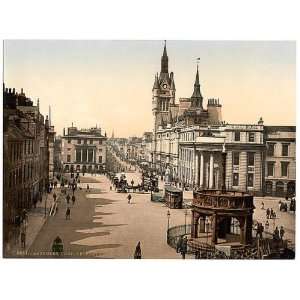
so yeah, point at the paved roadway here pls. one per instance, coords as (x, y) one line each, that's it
(104, 225)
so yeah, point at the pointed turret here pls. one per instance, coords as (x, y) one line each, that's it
(197, 97)
(164, 61)
(156, 83)
(172, 81)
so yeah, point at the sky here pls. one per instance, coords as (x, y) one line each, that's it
(109, 83)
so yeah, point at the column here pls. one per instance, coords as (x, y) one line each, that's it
(201, 169)
(93, 157)
(75, 156)
(194, 227)
(202, 224)
(214, 238)
(211, 171)
(80, 155)
(242, 230)
(196, 168)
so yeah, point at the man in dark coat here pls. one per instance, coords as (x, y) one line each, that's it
(281, 232)
(68, 214)
(68, 198)
(138, 251)
(184, 247)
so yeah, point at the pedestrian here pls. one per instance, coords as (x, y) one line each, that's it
(129, 198)
(271, 213)
(73, 199)
(179, 244)
(276, 234)
(23, 239)
(184, 247)
(262, 205)
(268, 213)
(111, 188)
(267, 225)
(54, 196)
(138, 251)
(68, 198)
(55, 184)
(68, 214)
(57, 246)
(87, 188)
(281, 232)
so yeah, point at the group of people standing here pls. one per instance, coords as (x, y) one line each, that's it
(278, 234)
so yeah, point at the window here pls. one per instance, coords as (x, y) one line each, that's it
(68, 158)
(236, 158)
(69, 141)
(251, 137)
(100, 159)
(251, 158)
(85, 142)
(90, 155)
(285, 149)
(235, 179)
(69, 149)
(100, 142)
(284, 168)
(84, 155)
(78, 141)
(270, 168)
(91, 141)
(78, 155)
(100, 150)
(237, 136)
(270, 149)
(250, 179)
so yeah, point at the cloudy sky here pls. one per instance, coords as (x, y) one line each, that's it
(109, 83)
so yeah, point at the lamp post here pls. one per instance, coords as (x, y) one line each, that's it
(168, 216)
(206, 225)
(46, 204)
(185, 215)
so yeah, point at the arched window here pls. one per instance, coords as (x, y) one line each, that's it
(291, 188)
(279, 188)
(269, 186)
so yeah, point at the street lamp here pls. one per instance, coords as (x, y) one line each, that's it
(46, 204)
(185, 215)
(206, 225)
(168, 216)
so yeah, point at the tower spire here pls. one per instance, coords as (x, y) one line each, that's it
(197, 97)
(164, 60)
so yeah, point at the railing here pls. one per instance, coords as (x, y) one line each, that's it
(175, 233)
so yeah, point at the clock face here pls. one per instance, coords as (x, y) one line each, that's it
(164, 86)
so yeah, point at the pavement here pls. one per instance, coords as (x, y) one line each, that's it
(36, 220)
(104, 225)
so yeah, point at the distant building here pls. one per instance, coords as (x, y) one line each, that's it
(83, 150)
(57, 155)
(26, 154)
(280, 164)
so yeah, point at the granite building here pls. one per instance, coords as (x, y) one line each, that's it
(191, 143)
(83, 150)
(26, 137)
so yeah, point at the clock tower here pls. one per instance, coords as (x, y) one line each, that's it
(163, 92)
